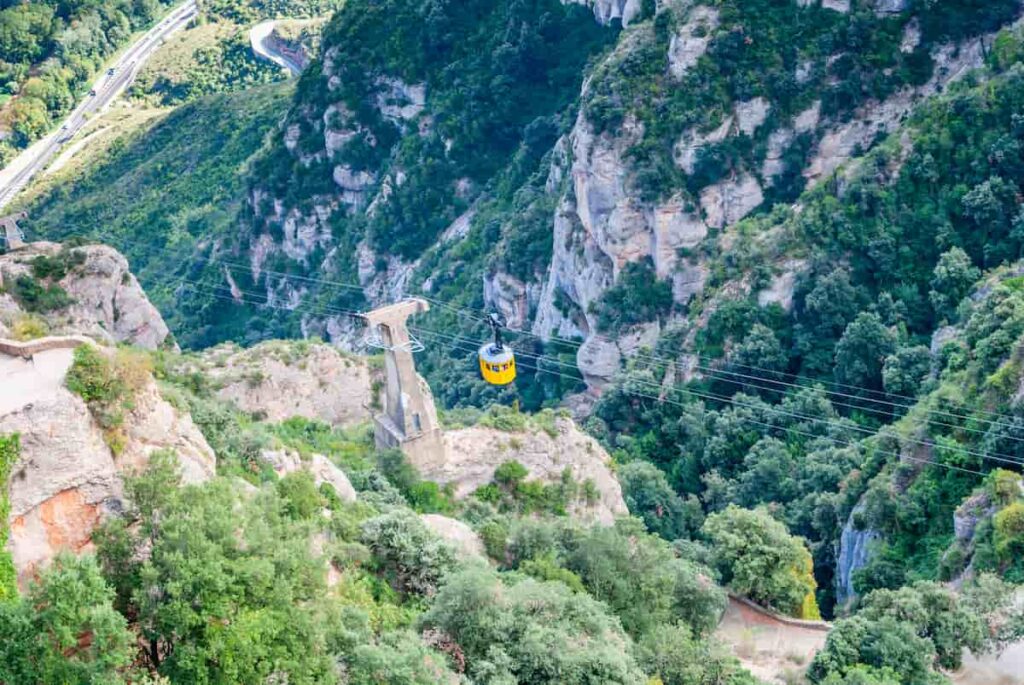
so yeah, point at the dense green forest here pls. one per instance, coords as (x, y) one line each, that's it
(48, 53)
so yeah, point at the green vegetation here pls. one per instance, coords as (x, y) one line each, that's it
(9, 452)
(179, 185)
(487, 92)
(759, 559)
(637, 297)
(108, 384)
(511, 491)
(65, 630)
(48, 52)
(210, 57)
(902, 636)
(36, 297)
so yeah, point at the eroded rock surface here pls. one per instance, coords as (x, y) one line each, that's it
(280, 379)
(108, 304)
(474, 453)
(456, 533)
(323, 469)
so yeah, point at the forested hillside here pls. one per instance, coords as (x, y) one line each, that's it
(769, 252)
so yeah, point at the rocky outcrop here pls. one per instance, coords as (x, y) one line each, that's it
(854, 554)
(279, 379)
(63, 483)
(783, 285)
(108, 304)
(67, 479)
(691, 39)
(152, 425)
(877, 118)
(474, 453)
(726, 202)
(323, 469)
(459, 535)
(607, 10)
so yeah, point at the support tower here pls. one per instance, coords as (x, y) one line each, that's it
(408, 420)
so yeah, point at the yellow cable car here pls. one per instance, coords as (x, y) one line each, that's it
(497, 363)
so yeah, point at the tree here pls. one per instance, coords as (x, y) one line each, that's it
(649, 496)
(398, 658)
(862, 351)
(759, 354)
(225, 593)
(675, 657)
(935, 613)
(66, 630)
(758, 558)
(767, 476)
(855, 643)
(530, 632)
(952, 279)
(1009, 531)
(905, 370)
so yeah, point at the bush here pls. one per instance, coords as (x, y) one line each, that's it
(411, 558)
(108, 386)
(35, 297)
(638, 297)
(29, 327)
(531, 632)
(299, 493)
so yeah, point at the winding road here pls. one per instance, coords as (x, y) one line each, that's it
(105, 89)
(263, 46)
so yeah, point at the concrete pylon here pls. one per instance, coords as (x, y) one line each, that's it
(409, 418)
(13, 239)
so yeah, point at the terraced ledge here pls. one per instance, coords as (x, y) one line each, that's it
(26, 350)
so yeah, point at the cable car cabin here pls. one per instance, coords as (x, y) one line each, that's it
(497, 364)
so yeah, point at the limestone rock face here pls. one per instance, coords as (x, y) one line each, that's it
(854, 554)
(456, 533)
(726, 202)
(691, 40)
(783, 285)
(474, 453)
(280, 379)
(67, 479)
(108, 305)
(751, 114)
(62, 482)
(323, 469)
(607, 10)
(876, 118)
(154, 424)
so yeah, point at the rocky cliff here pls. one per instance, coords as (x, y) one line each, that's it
(619, 185)
(101, 297)
(280, 379)
(68, 476)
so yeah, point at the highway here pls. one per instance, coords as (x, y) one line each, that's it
(107, 87)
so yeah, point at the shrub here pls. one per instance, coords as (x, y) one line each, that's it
(9, 452)
(411, 558)
(29, 327)
(33, 296)
(1009, 531)
(638, 297)
(108, 386)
